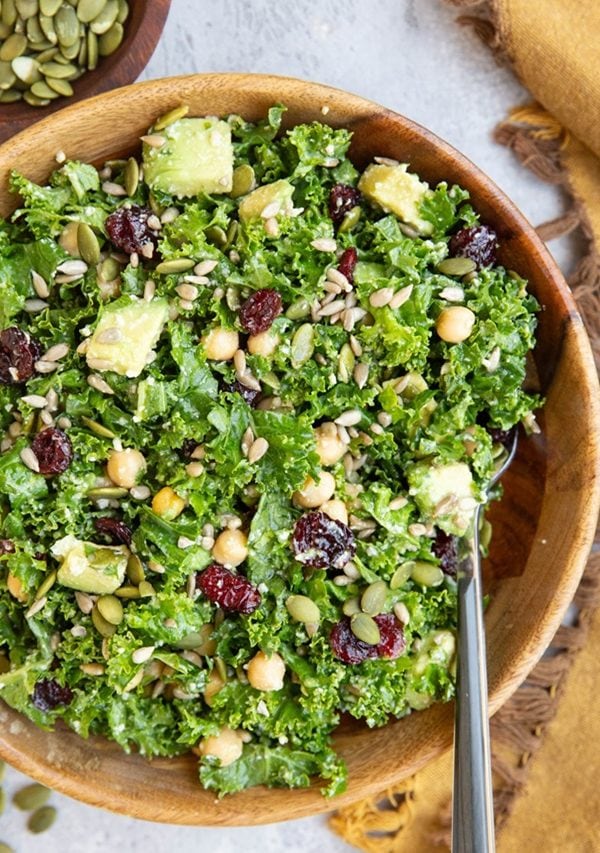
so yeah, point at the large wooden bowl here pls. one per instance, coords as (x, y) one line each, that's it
(143, 29)
(545, 523)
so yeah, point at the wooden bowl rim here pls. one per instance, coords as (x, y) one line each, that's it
(116, 70)
(248, 808)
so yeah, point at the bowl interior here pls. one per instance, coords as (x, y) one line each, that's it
(544, 525)
(142, 32)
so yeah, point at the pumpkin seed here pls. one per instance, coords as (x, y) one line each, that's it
(9, 13)
(5, 848)
(346, 362)
(34, 101)
(373, 598)
(50, 7)
(128, 592)
(303, 345)
(41, 820)
(426, 574)
(46, 586)
(27, 69)
(350, 220)
(232, 233)
(485, 534)
(110, 492)
(123, 11)
(146, 589)
(216, 235)
(70, 52)
(104, 628)
(14, 46)
(87, 10)
(298, 310)
(135, 570)
(174, 266)
(106, 18)
(243, 181)
(63, 87)
(456, 266)
(35, 34)
(110, 608)
(302, 609)
(351, 606)
(401, 575)
(58, 70)
(87, 244)
(171, 117)
(47, 55)
(27, 8)
(111, 40)
(96, 428)
(10, 96)
(131, 176)
(109, 269)
(67, 26)
(365, 628)
(42, 90)
(92, 47)
(7, 76)
(31, 797)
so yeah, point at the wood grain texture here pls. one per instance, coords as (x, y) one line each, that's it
(552, 495)
(142, 32)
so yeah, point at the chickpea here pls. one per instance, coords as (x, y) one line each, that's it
(226, 746)
(230, 548)
(266, 673)
(15, 587)
(213, 685)
(167, 503)
(336, 509)
(220, 344)
(455, 324)
(265, 343)
(330, 446)
(125, 467)
(315, 494)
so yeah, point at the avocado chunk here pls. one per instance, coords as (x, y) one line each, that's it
(197, 157)
(96, 569)
(396, 191)
(126, 335)
(445, 494)
(255, 203)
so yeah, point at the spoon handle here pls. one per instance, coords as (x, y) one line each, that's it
(473, 806)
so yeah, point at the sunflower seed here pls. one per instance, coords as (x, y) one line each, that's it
(34, 306)
(187, 291)
(155, 141)
(381, 297)
(110, 188)
(398, 503)
(361, 374)
(331, 309)
(324, 244)
(29, 459)
(257, 449)
(140, 493)
(36, 607)
(452, 294)
(92, 668)
(205, 267)
(56, 352)
(249, 381)
(492, 362)
(98, 384)
(36, 401)
(134, 682)
(77, 268)
(349, 418)
(84, 602)
(401, 297)
(143, 654)
(401, 612)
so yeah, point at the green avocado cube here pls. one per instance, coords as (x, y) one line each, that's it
(196, 157)
(445, 494)
(277, 196)
(126, 335)
(95, 569)
(396, 191)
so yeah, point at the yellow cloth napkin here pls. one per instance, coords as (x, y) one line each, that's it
(545, 738)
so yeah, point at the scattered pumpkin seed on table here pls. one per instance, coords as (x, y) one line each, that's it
(46, 44)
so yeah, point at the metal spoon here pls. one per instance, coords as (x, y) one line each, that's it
(473, 804)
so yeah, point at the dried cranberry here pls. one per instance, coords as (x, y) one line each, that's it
(128, 228)
(347, 263)
(348, 648)
(478, 243)
(6, 547)
(117, 531)
(187, 448)
(391, 643)
(48, 694)
(319, 541)
(502, 436)
(228, 590)
(445, 548)
(18, 354)
(53, 450)
(259, 310)
(249, 395)
(342, 199)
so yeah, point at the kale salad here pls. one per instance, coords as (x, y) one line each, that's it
(250, 398)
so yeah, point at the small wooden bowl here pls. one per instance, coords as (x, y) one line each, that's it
(544, 526)
(142, 32)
